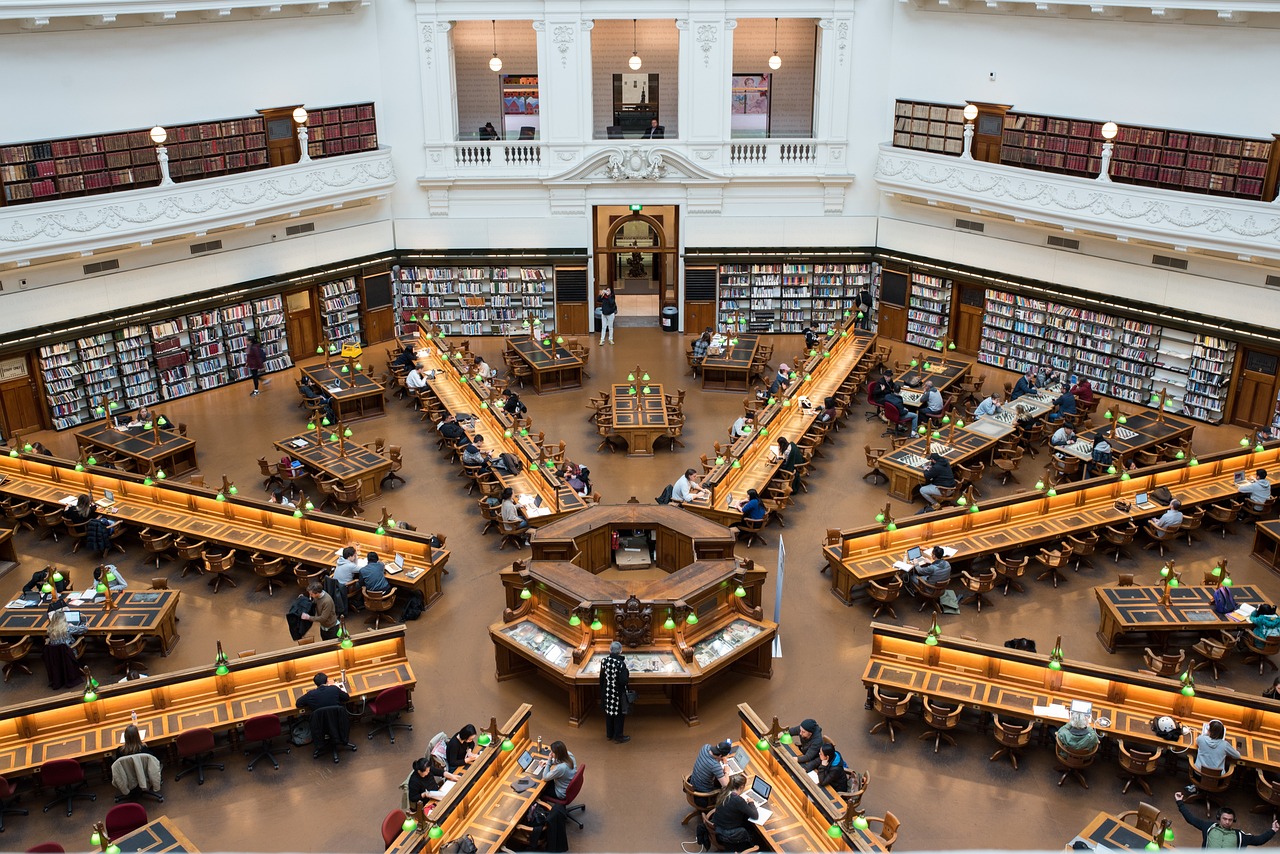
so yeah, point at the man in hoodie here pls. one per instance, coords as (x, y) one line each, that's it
(1223, 833)
(937, 477)
(1212, 749)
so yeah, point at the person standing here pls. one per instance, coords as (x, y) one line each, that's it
(608, 310)
(613, 694)
(326, 614)
(255, 361)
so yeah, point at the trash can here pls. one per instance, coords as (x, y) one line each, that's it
(670, 318)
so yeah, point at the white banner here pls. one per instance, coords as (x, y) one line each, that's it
(777, 597)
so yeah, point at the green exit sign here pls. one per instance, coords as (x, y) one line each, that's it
(637, 208)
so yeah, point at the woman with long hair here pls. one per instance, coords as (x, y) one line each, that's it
(560, 768)
(459, 752)
(59, 630)
(132, 742)
(733, 815)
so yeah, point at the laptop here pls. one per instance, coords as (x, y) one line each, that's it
(759, 795)
(531, 765)
(914, 554)
(738, 761)
(399, 565)
(1141, 501)
(1239, 478)
(108, 499)
(73, 617)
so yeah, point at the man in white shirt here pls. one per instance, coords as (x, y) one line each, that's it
(737, 431)
(1258, 490)
(688, 488)
(1172, 517)
(1062, 437)
(990, 406)
(415, 380)
(347, 567)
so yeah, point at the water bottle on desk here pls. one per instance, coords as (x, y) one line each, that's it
(133, 717)
(539, 745)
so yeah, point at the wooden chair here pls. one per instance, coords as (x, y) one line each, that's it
(1117, 538)
(1208, 782)
(379, 606)
(156, 544)
(1053, 562)
(873, 456)
(858, 783)
(19, 514)
(1010, 571)
(126, 651)
(347, 497)
(76, 531)
(397, 463)
(1166, 664)
(777, 498)
(1146, 818)
(978, 586)
(12, 654)
(270, 473)
(1159, 536)
(1221, 516)
(941, 719)
(969, 476)
(1213, 652)
(1268, 791)
(1191, 523)
(751, 528)
(1137, 763)
(1082, 545)
(1007, 462)
(929, 594)
(1260, 651)
(513, 533)
(1072, 762)
(50, 519)
(269, 570)
(218, 566)
(888, 828)
(1259, 512)
(699, 802)
(191, 551)
(884, 595)
(1012, 736)
(892, 709)
(305, 575)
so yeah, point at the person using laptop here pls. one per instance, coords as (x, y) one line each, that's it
(510, 513)
(559, 771)
(688, 488)
(710, 769)
(1213, 748)
(373, 575)
(808, 736)
(733, 815)
(82, 511)
(790, 454)
(936, 572)
(1258, 490)
(324, 695)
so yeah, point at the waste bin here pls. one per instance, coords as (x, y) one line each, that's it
(670, 318)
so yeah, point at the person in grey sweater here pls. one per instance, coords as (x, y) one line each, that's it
(1212, 749)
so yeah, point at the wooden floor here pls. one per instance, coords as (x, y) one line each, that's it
(956, 799)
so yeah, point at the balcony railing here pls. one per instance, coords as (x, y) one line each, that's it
(30, 232)
(1237, 226)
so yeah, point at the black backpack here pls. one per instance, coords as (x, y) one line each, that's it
(414, 607)
(667, 492)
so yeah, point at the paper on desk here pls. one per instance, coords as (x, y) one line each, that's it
(1053, 710)
(813, 775)
(442, 791)
(299, 443)
(21, 603)
(68, 501)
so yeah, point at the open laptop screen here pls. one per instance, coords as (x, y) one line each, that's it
(761, 788)
(1141, 499)
(913, 553)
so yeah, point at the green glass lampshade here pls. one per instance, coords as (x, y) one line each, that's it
(1054, 664)
(937, 435)
(762, 745)
(645, 376)
(95, 839)
(413, 318)
(147, 481)
(785, 738)
(1244, 443)
(1124, 475)
(1226, 582)
(46, 588)
(772, 401)
(631, 377)
(928, 367)
(297, 513)
(345, 369)
(28, 448)
(575, 620)
(1173, 582)
(930, 640)
(525, 594)
(892, 526)
(951, 346)
(844, 333)
(57, 577)
(1179, 456)
(737, 464)
(559, 339)
(222, 670)
(409, 825)
(309, 506)
(860, 315)
(808, 377)
(880, 518)
(1257, 449)
(113, 849)
(692, 619)
(325, 422)
(347, 433)
(1193, 462)
(507, 433)
(645, 389)
(111, 576)
(946, 419)
(1124, 419)
(813, 351)
(739, 591)
(320, 350)
(333, 437)
(959, 423)
(830, 333)
(546, 342)
(973, 508)
(379, 530)
(764, 431)
(484, 739)
(311, 425)
(526, 324)
(147, 426)
(914, 363)
(826, 355)
(13, 452)
(1107, 415)
(669, 624)
(1164, 572)
(90, 696)
(101, 588)
(631, 390)
(484, 404)
(596, 625)
(359, 367)
(1168, 834)
(524, 431)
(98, 410)
(219, 496)
(160, 475)
(834, 831)
(435, 832)
(507, 745)
(79, 467)
(921, 430)
(1152, 846)
(1188, 691)
(1052, 492)
(962, 501)
(860, 822)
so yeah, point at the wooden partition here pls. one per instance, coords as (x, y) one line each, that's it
(585, 539)
(67, 727)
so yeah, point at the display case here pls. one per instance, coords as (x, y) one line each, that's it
(723, 642)
(637, 663)
(540, 642)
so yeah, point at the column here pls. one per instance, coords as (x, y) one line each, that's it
(835, 78)
(564, 84)
(439, 102)
(706, 66)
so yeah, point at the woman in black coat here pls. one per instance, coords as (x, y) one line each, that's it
(613, 694)
(733, 816)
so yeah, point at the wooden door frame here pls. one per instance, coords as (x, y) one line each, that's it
(1237, 375)
(986, 110)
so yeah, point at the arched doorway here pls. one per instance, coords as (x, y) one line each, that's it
(636, 255)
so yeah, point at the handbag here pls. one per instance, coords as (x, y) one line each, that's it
(1161, 495)
(461, 845)
(631, 697)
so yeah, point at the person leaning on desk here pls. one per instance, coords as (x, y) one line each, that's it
(808, 737)
(1076, 734)
(733, 815)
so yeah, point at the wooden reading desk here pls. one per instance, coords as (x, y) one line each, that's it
(244, 524)
(945, 372)
(1014, 683)
(354, 395)
(160, 836)
(1110, 832)
(149, 612)
(1124, 611)
(730, 369)
(166, 450)
(554, 367)
(904, 467)
(1266, 544)
(639, 418)
(344, 459)
(64, 727)
(482, 803)
(1031, 518)
(1140, 432)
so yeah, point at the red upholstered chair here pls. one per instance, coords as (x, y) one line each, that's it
(8, 797)
(67, 779)
(386, 709)
(263, 729)
(391, 827)
(898, 424)
(125, 818)
(195, 746)
(571, 795)
(47, 848)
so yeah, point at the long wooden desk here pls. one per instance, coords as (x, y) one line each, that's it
(174, 453)
(1010, 682)
(239, 523)
(159, 836)
(482, 803)
(151, 612)
(1110, 832)
(904, 467)
(944, 372)
(730, 369)
(344, 459)
(554, 367)
(354, 395)
(63, 727)
(1140, 432)
(1266, 544)
(849, 349)
(458, 396)
(803, 811)
(640, 418)
(1029, 519)
(1137, 610)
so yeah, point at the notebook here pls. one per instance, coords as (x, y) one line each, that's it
(1141, 501)
(759, 795)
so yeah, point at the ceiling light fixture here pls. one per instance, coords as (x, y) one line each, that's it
(495, 64)
(775, 61)
(634, 62)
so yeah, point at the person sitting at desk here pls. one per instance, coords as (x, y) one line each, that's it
(1076, 734)
(428, 776)
(512, 404)
(790, 454)
(990, 406)
(1026, 385)
(347, 567)
(144, 415)
(710, 769)
(406, 358)
(1062, 437)
(373, 575)
(931, 403)
(1172, 517)
(753, 508)
(688, 488)
(560, 769)
(1100, 458)
(782, 380)
(882, 387)
(831, 769)
(1046, 377)
(82, 511)
(451, 429)
(108, 574)
(135, 769)
(1213, 748)
(1258, 490)
(278, 497)
(938, 476)
(40, 576)
(1066, 405)
(39, 448)
(459, 753)
(935, 573)
(808, 736)
(416, 379)
(738, 429)
(98, 532)
(511, 511)
(1082, 390)
(700, 346)
(1222, 833)
(473, 456)
(578, 477)
(1266, 624)
(733, 815)
(324, 695)
(829, 410)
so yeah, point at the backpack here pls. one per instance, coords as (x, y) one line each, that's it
(702, 836)
(461, 845)
(1023, 644)
(414, 607)
(1224, 601)
(300, 732)
(667, 492)
(1167, 728)
(438, 746)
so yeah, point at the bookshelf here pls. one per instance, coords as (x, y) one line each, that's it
(341, 130)
(784, 298)
(237, 326)
(1209, 378)
(1173, 366)
(172, 361)
(929, 127)
(766, 297)
(1012, 331)
(340, 310)
(1135, 361)
(61, 375)
(207, 348)
(475, 300)
(125, 160)
(1081, 342)
(268, 322)
(733, 306)
(133, 358)
(835, 291)
(928, 310)
(796, 307)
(1068, 146)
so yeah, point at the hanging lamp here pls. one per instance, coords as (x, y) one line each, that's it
(495, 64)
(775, 61)
(634, 62)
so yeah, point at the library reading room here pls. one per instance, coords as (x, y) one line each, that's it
(815, 417)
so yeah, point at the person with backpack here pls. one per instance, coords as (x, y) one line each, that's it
(1222, 833)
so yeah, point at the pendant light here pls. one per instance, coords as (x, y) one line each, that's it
(634, 62)
(775, 61)
(495, 64)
